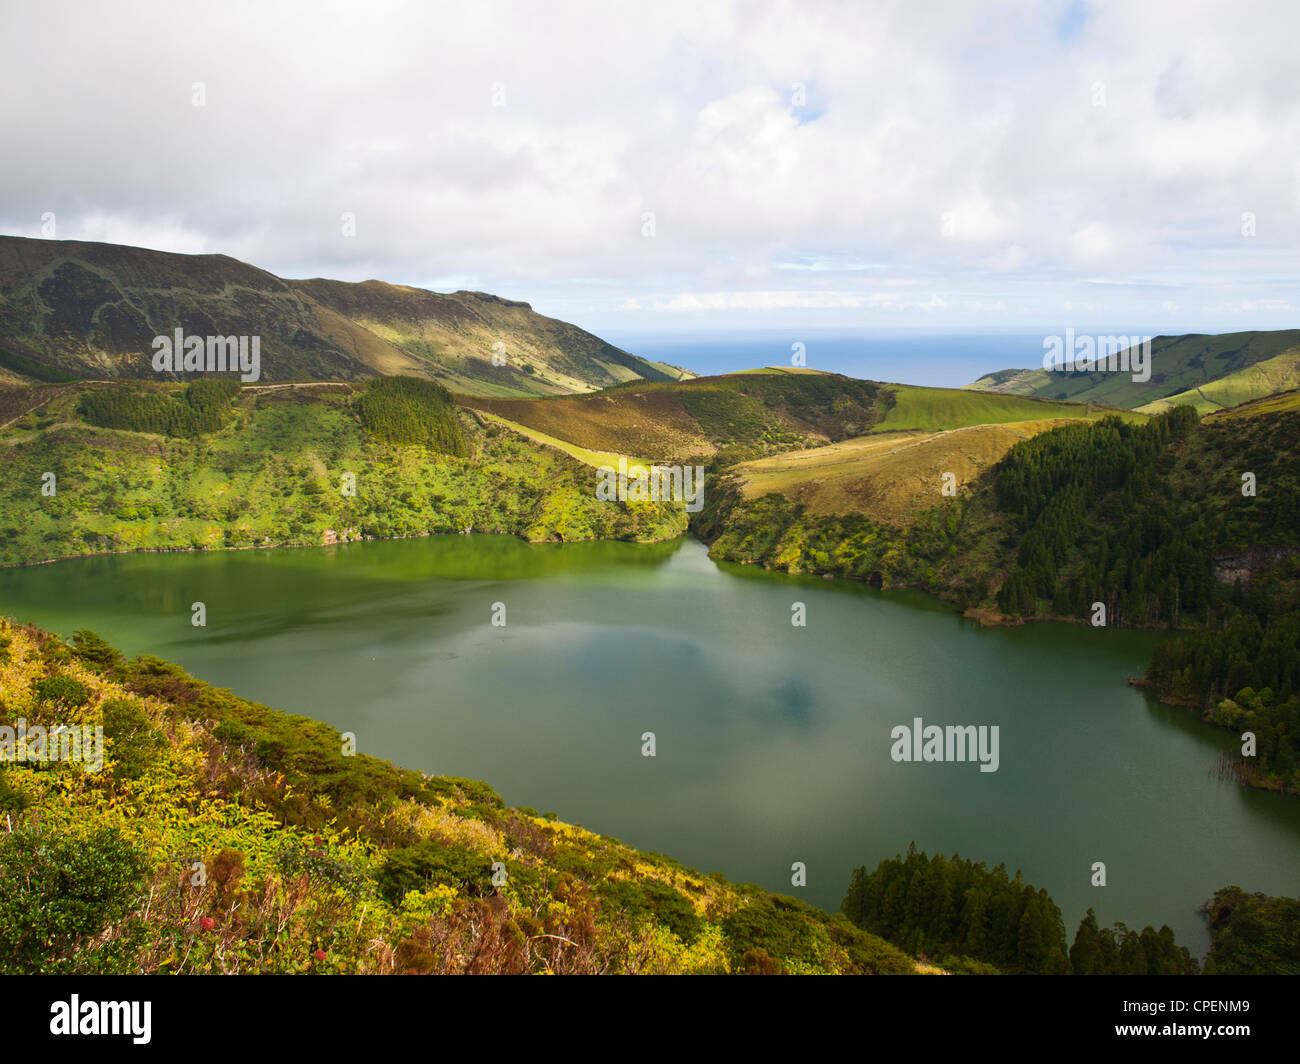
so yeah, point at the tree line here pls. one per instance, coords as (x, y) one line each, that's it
(201, 408)
(972, 919)
(411, 411)
(1100, 522)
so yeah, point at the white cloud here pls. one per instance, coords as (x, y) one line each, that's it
(913, 112)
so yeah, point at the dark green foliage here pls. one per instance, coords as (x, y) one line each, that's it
(980, 921)
(201, 408)
(429, 863)
(91, 649)
(774, 926)
(638, 899)
(409, 410)
(11, 799)
(1244, 675)
(1134, 516)
(1099, 523)
(133, 739)
(58, 894)
(295, 859)
(1253, 934)
(62, 691)
(939, 907)
(769, 923)
(1119, 951)
(29, 367)
(868, 954)
(967, 966)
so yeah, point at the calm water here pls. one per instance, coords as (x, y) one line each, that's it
(936, 357)
(773, 741)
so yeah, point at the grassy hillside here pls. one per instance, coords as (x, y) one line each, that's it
(1273, 375)
(588, 457)
(965, 548)
(453, 336)
(889, 476)
(272, 473)
(938, 409)
(827, 442)
(225, 837)
(731, 416)
(1272, 404)
(1179, 364)
(89, 310)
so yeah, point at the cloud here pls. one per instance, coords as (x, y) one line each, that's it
(959, 149)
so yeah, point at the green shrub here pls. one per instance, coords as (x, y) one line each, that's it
(652, 899)
(134, 739)
(63, 691)
(201, 408)
(59, 894)
(429, 863)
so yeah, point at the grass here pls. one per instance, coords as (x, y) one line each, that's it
(746, 414)
(1272, 404)
(937, 409)
(1273, 375)
(585, 455)
(889, 476)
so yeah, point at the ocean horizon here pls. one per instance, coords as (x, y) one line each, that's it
(943, 359)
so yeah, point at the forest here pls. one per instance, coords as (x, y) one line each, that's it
(974, 920)
(411, 411)
(202, 407)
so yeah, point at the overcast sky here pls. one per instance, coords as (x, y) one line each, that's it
(817, 165)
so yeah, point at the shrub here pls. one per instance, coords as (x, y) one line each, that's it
(62, 690)
(429, 863)
(58, 896)
(133, 737)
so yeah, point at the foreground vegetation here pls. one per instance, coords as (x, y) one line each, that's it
(220, 836)
(224, 837)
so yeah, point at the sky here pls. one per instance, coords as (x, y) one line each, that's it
(675, 169)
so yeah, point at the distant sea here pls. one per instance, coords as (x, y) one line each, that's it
(946, 360)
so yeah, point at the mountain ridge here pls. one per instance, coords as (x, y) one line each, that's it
(84, 309)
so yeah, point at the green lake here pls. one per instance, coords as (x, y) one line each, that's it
(772, 741)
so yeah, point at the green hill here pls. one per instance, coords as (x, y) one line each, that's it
(940, 409)
(1179, 364)
(729, 416)
(1278, 374)
(208, 464)
(75, 309)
